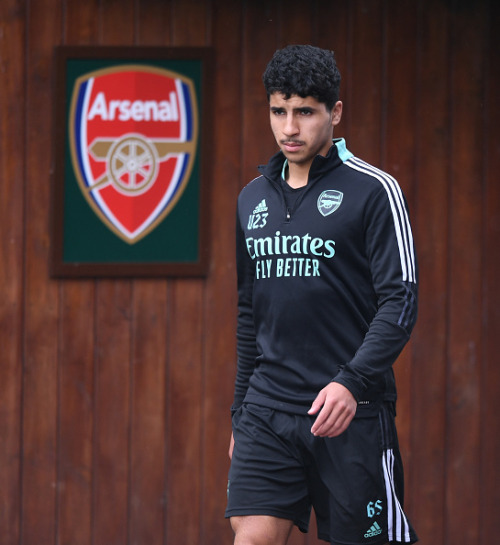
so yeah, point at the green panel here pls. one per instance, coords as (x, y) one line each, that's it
(87, 239)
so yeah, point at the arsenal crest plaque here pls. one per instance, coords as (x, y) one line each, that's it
(131, 170)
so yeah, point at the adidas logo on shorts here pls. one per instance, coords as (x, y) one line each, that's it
(375, 530)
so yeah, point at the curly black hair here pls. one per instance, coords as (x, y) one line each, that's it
(303, 70)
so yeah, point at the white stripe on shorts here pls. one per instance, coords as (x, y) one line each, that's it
(397, 523)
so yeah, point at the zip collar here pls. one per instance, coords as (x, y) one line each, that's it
(337, 154)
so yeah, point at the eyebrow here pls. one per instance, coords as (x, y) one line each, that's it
(298, 109)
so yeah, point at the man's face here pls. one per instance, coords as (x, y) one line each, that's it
(303, 127)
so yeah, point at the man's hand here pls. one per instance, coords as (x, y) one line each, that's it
(231, 447)
(338, 407)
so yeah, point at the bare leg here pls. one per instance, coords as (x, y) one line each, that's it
(261, 530)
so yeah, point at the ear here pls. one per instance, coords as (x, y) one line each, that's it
(337, 113)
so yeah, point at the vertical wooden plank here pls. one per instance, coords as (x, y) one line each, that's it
(12, 171)
(365, 111)
(220, 309)
(428, 432)
(76, 362)
(332, 31)
(150, 346)
(399, 160)
(148, 416)
(154, 22)
(112, 412)
(260, 30)
(185, 395)
(41, 297)
(76, 418)
(465, 313)
(295, 24)
(186, 358)
(191, 22)
(490, 438)
(113, 357)
(81, 22)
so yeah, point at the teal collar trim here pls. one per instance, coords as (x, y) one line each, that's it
(283, 170)
(343, 152)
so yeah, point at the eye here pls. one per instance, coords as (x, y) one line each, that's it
(277, 111)
(306, 111)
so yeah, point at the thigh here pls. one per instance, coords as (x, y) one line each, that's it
(350, 467)
(360, 470)
(260, 530)
(266, 476)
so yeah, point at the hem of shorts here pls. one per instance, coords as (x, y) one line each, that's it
(304, 528)
(383, 541)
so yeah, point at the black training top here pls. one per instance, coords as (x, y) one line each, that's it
(327, 288)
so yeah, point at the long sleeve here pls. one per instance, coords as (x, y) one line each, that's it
(391, 256)
(245, 334)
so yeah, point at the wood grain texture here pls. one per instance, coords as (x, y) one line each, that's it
(41, 297)
(367, 72)
(186, 358)
(76, 385)
(220, 293)
(115, 394)
(398, 159)
(12, 221)
(490, 379)
(467, 70)
(432, 164)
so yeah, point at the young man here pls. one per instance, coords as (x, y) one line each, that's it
(327, 298)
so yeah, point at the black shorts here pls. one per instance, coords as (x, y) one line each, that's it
(354, 481)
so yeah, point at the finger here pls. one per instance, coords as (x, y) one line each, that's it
(317, 425)
(317, 403)
(324, 421)
(336, 428)
(333, 422)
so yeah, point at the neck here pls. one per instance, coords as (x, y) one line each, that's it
(297, 175)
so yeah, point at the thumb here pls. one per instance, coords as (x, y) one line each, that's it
(317, 403)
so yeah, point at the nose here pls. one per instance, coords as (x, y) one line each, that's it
(291, 127)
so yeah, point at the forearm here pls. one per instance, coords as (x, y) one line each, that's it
(387, 335)
(247, 353)
(245, 333)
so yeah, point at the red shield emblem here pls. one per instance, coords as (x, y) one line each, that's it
(133, 137)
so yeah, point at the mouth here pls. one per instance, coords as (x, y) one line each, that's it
(291, 145)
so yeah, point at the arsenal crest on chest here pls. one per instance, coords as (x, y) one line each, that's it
(329, 201)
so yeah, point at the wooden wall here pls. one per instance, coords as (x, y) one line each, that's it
(115, 394)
